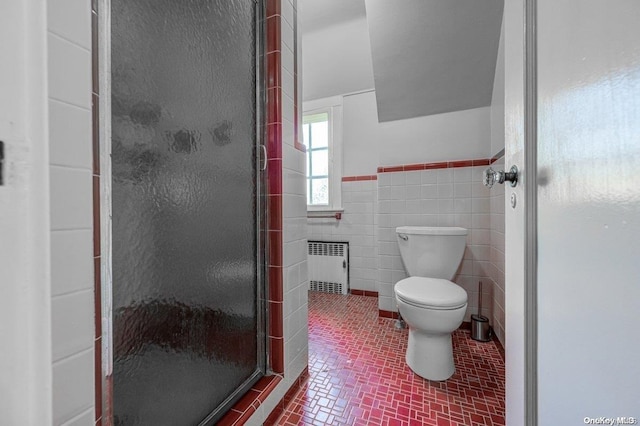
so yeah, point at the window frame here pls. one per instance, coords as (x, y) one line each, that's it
(311, 150)
(333, 108)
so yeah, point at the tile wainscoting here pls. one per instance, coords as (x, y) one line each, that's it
(447, 193)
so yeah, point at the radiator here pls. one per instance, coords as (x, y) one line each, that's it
(328, 267)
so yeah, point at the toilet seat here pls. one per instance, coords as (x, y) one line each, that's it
(431, 293)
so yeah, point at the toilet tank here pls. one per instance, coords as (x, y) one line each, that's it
(430, 251)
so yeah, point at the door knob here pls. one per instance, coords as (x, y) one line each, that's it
(490, 176)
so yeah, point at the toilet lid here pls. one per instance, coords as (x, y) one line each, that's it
(431, 292)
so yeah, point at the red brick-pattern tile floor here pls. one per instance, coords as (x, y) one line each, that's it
(358, 375)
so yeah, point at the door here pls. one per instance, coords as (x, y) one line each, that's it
(25, 274)
(187, 312)
(588, 210)
(515, 311)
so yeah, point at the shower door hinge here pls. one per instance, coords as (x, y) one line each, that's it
(263, 158)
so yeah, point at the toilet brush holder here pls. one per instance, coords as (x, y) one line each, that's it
(480, 329)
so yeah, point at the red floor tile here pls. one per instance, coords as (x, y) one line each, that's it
(358, 375)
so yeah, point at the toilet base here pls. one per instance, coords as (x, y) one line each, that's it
(430, 355)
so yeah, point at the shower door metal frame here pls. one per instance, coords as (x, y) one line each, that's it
(104, 120)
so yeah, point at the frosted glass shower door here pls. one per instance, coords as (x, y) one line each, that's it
(187, 322)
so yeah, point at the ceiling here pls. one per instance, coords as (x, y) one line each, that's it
(428, 56)
(433, 56)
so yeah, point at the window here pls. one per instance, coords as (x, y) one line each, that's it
(321, 130)
(315, 131)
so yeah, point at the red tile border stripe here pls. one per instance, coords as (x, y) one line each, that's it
(100, 411)
(482, 162)
(437, 165)
(388, 314)
(273, 35)
(359, 178)
(432, 166)
(463, 163)
(273, 8)
(277, 411)
(498, 155)
(274, 212)
(390, 169)
(273, 71)
(274, 185)
(275, 283)
(276, 354)
(368, 293)
(249, 403)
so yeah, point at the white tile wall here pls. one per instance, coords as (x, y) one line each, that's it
(69, 61)
(69, 334)
(67, 125)
(85, 418)
(70, 190)
(73, 387)
(357, 227)
(442, 197)
(70, 123)
(68, 19)
(69, 70)
(71, 268)
(294, 208)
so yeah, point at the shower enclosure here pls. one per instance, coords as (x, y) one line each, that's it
(187, 250)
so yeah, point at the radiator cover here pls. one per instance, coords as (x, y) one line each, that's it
(328, 266)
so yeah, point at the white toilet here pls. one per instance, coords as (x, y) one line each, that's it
(431, 305)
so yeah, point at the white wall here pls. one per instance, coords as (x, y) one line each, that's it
(337, 60)
(25, 289)
(360, 143)
(72, 281)
(497, 101)
(460, 135)
(52, 169)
